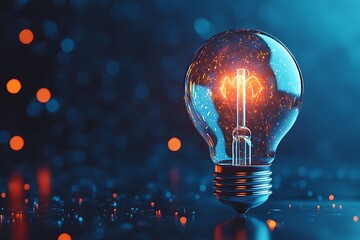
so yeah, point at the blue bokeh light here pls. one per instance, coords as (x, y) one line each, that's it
(22, 2)
(34, 108)
(52, 105)
(67, 45)
(141, 90)
(57, 161)
(4, 136)
(50, 28)
(112, 67)
(201, 26)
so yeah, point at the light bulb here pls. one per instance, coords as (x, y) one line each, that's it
(243, 92)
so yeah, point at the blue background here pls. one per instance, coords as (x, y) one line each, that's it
(116, 71)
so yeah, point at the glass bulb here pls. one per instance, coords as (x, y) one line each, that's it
(243, 92)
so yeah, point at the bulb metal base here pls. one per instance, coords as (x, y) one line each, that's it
(242, 187)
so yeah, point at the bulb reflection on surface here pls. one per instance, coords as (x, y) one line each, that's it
(44, 185)
(242, 228)
(18, 216)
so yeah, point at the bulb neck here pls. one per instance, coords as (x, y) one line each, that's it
(242, 187)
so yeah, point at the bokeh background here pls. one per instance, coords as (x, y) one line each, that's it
(115, 70)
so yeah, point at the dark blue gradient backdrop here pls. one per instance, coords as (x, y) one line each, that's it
(116, 72)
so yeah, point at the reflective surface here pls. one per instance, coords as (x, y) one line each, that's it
(137, 217)
(243, 78)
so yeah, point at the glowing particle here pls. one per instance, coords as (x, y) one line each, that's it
(13, 86)
(333, 205)
(168, 194)
(176, 213)
(271, 224)
(3, 195)
(174, 144)
(26, 200)
(158, 213)
(114, 195)
(318, 207)
(355, 218)
(289, 205)
(26, 186)
(340, 206)
(16, 143)
(183, 221)
(152, 204)
(26, 36)
(64, 236)
(331, 197)
(43, 95)
(80, 201)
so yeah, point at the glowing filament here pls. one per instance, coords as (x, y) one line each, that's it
(252, 82)
(241, 145)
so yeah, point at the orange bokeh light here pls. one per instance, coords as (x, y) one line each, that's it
(331, 197)
(114, 195)
(13, 86)
(43, 95)
(3, 195)
(44, 184)
(158, 213)
(26, 36)
(355, 218)
(15, 187)
(174, 144)
(16, 143)
(271, 224)
(183, 220)
(26, 186)
(64, 236)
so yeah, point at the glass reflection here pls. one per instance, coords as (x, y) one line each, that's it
(242, 228)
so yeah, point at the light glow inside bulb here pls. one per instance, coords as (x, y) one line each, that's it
(243, 92)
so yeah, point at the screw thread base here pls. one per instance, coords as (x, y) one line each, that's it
(242, 187)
